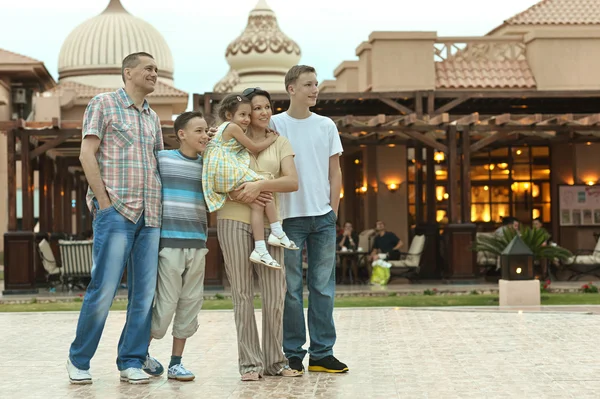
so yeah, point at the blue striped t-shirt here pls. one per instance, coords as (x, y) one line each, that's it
(184, 210)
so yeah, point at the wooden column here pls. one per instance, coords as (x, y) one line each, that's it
(430, 188)
(26, 184)
(419, 183)
(460, 259)
(49, 181)
(42, 182)
(12, 180)
(453, 215)
(67, 204)
(466, 176)
(77, 183)
(351, 205)
(370, 176)
(58, 199)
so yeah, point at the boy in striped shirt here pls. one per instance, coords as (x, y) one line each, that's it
(181, 260)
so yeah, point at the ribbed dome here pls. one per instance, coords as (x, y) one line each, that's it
(97, 46)
(261, 55)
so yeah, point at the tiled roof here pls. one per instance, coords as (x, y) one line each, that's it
(85, 91)
(559, 12)
(8, 57)
(450, 74)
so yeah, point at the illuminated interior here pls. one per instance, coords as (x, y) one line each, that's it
(507, 181)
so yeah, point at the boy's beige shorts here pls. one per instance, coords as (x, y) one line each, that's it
(179, 291)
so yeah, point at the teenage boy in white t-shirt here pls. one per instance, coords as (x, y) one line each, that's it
(309, 216)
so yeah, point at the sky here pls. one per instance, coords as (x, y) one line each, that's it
(198, 31)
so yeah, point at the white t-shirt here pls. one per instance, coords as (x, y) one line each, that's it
(314, 140)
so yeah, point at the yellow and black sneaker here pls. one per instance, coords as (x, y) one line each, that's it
(328, 364)
(296, 364)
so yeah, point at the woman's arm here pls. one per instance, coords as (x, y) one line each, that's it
(286, 183)
(233, 130)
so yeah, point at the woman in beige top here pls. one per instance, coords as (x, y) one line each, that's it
(236, 241)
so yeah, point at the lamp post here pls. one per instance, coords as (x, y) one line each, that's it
(518, 287)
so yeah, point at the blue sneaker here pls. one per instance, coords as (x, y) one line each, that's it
(153, 367)
(180, 373)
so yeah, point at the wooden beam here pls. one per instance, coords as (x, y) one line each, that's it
(409, 119)
(49, 145)
(399, 107)
(588, 120)
(467, 120)
(431, 102)
(489, 140)
(419, 104)
(439, 119)
(12, 180)
(530, 120)
(447, 107)
(428, 141)
(377, 120)
(499, 120)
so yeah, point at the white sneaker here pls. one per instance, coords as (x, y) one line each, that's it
(134, 376)
(264, 259)
(77, 376)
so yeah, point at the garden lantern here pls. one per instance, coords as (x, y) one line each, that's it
(516, 261)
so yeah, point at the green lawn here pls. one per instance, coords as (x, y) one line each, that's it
(393, 301)
(1, 274)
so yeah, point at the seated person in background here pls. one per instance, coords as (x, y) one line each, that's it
(537, 224)
(508, 222)
(385, 242)
(347, 239)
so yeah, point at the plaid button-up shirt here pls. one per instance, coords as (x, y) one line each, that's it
(129, 142)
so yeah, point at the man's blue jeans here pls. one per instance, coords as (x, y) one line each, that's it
(118, 242)
(319, 234)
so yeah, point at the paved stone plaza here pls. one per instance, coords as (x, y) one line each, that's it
(391, 352)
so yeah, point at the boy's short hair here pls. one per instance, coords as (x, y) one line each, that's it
(294, 73)
(182, 121)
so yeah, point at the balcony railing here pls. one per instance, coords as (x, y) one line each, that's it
(479, 49)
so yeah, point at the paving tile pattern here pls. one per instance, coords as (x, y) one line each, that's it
(391, 352)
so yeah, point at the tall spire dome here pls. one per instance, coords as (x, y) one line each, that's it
(261, 55)
(93, 51)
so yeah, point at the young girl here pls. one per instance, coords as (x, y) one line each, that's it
(227, 166)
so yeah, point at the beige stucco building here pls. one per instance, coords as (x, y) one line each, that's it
(438, 131)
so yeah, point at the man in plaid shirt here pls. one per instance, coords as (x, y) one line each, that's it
(121, 136)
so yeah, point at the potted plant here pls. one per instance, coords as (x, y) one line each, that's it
(536, 239)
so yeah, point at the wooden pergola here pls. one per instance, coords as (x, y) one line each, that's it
(52, 149)
(457, 123)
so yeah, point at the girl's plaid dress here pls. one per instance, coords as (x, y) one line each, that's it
(226, 167)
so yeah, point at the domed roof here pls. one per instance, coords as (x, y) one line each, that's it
(99, 45)
(261, 55)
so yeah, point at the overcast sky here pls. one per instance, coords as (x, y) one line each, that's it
(198, 31)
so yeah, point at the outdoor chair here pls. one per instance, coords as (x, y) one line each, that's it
(584, 261)
(410, 262)
(77, 261)
(49, 261)
(486, 259)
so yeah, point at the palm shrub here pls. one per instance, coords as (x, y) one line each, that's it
(533, 238)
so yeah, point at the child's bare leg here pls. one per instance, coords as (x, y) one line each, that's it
(256, 221)
(276, 228)
(258, 232)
